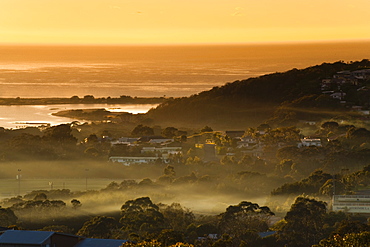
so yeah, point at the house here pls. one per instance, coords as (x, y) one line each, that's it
(266, 234)
(95, 242)
(326, 84)
(342, 74)
(327, 92)
(212, 236)
(352, 203)
(137, 160)
(263, 129)
(341, 78)
(255, 151)
(209, 152)
(360, 109)
(311, 123)
(338, 95)
(345, 77)
(160, 140)
(154, 139)
(21, 238)
(363, 74)
(124, 141)
(246, 141)
(234, 133)
(162, 150)
(307, 142)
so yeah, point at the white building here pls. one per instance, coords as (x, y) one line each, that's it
(127, 161)
(362, 74)
(124, 141)
(159, 141)
(162, 150)
(307, 142)
(247, 141)
(338, 95)
(352, 203)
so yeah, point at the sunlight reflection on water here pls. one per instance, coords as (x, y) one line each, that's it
(17, 116)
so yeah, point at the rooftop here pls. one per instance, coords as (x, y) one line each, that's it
(24, 237)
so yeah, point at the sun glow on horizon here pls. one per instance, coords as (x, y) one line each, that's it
(114, 22)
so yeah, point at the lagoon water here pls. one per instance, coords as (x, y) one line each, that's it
(19, 116)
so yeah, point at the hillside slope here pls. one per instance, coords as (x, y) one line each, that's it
(248, 102)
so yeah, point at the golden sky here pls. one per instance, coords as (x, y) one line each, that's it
(181, 21)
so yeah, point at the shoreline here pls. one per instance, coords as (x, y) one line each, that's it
(26, 115)
(88, 100)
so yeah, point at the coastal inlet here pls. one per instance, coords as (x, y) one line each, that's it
(20, 116)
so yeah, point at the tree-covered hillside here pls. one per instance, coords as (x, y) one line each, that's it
(251, 101)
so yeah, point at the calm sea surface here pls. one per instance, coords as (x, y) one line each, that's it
(49, 71)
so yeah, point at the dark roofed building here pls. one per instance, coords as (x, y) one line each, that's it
(234, 133)
(12, 238)
(148, 138)
(20, 238)
(4, 229)
(25, 238)
(94, 242)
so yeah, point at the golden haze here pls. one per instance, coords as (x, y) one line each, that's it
(181, 22)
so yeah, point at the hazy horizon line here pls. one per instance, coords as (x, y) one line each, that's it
(295, 42)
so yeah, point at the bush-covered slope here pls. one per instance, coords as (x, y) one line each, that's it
(248, 102)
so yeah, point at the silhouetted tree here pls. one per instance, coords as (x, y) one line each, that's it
(60, 133)
(141, 216)
(206, 129)
(239, 221)
(304, 222)
(170, 132)
(76, 203)
(141, 130)
(99, 227)
(7, 217)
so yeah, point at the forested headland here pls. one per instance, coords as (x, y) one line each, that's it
(283, 97)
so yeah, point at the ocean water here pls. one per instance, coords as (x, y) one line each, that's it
(145, 71)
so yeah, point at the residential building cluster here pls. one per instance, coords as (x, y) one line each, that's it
(334, 86)
(150, 149)
(161, 150)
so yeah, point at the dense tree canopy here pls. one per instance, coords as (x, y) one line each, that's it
(307, 214)
(7, 217)
(142, 130)
(141, 215)
(100, 227)
(242, 222)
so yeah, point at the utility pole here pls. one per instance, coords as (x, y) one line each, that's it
(19, 181)
(87, 170)
(333, 192)
(51, 185)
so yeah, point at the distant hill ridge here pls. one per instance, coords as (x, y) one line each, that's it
(251, 101)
